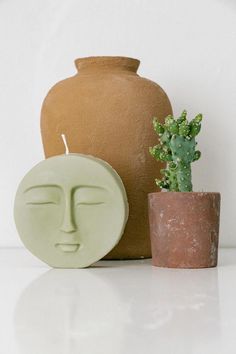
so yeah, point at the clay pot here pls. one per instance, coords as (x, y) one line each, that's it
(106, 110)
(184, 229)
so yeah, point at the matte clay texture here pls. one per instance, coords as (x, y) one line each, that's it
(71, 210)
(106, 110)
(184, 229)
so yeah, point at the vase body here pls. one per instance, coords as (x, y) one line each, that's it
(184, 229)
(106, 110)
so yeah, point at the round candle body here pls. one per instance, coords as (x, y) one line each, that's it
(71, 210)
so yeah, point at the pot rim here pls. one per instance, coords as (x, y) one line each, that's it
(181, 193)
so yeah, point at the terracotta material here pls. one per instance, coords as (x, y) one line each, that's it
(106, 110)
(184, 229)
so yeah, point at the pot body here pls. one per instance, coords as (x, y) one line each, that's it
(106, 110)
(184, 229)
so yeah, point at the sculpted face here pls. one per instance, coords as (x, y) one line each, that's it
(71, 210)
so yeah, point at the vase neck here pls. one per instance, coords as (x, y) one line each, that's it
(93, 64)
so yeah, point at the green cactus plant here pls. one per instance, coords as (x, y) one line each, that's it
(177, 148)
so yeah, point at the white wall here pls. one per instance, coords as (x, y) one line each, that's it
(187, 46)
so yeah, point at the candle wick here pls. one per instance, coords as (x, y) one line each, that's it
(65, 143)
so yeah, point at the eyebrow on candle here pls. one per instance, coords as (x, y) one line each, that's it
(42, 186)
(90, 187)
(59, 187)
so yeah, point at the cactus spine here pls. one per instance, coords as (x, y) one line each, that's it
(177, 148)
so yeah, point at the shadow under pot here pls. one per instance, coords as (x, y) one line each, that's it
(184, 229)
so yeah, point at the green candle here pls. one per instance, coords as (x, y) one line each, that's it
(71, 210)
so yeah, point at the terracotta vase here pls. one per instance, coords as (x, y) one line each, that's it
(184, 229)
(106, 110)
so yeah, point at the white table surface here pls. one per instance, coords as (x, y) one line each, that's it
(116, 307)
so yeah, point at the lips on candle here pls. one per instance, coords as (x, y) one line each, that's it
(71, 210)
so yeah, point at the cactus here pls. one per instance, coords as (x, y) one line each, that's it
(177, 148)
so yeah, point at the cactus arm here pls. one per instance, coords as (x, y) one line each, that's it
(158, 127)
(160, 153)
(197, 155)
(182, 117)
(195, 125)
(184, 129)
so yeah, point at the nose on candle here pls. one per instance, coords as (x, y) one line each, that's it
(68, 224)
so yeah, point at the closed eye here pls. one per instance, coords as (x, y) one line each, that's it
(89, 203)
(43, 202)
(90, 195)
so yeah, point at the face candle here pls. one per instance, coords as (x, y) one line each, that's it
(70, 210)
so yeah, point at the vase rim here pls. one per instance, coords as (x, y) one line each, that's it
(183, 193)
(107, 62)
